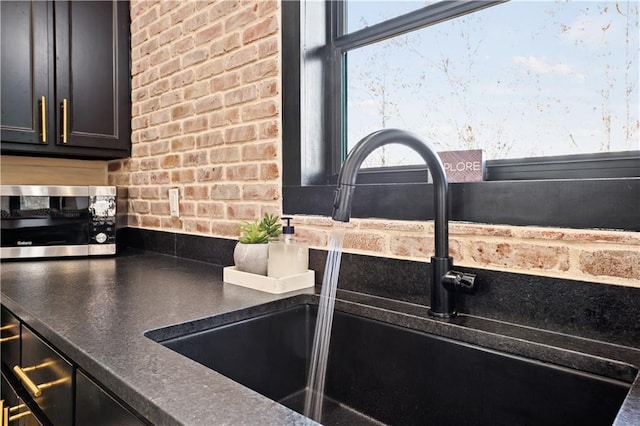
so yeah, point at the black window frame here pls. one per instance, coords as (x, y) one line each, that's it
(575, 191)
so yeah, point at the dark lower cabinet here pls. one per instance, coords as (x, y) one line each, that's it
(10, 338)
(66, 78)
(14, 408)
(9, 397)
(51, 374)
(94, 406)
(40, 386)
(16, 411)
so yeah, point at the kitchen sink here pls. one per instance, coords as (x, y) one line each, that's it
(381, 373)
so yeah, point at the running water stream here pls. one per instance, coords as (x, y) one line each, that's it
(320, 351)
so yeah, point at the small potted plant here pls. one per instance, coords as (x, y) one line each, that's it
(252, 251)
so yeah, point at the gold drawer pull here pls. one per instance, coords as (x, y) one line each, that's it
(9, 338)
(7, 417)
(26, 381)
(19, 416)
(47, 385)
(17, 408)
(36, 390)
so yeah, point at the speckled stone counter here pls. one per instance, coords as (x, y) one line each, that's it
(96, 311)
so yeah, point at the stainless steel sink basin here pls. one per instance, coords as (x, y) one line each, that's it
(383, 373)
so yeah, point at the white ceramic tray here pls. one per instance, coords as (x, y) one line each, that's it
(269, 284)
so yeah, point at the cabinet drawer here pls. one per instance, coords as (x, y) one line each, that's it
(52, 374)
(14, 411)
(95, 407)
(10, 338)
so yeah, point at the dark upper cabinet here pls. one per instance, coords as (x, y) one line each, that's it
(66, 78)
(27, 85)
(92, 74)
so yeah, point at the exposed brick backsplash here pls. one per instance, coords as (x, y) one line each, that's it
(206, 102)
(206, 114)
(611, 257)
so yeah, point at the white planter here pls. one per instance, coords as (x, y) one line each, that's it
(251, 258)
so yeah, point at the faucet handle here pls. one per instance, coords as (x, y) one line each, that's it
(459, 281)
(342, 202)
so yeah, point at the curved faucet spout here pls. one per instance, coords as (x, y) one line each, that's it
(444, 281)
(349, 173)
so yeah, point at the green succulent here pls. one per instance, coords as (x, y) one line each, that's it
(261, 231)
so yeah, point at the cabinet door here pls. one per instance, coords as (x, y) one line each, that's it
(10, 339)
(52, 374)
(95, 407)
(25, 80)
(15, 411)
(92, 74)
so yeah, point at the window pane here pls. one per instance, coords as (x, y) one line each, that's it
(522, 79)
(365, 13)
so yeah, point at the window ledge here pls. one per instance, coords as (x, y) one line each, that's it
(567, 203)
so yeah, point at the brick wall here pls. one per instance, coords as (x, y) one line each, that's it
(206, 119)
(206, 102)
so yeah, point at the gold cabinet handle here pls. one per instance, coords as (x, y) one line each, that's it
(7, 417)
(47, 385)
(9, 327)
(43, 113)
(64, 121)
(36, 390)
(26, 381)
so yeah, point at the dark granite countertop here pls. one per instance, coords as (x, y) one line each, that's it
(96, 312)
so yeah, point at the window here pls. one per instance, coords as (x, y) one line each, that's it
(547, 88)
(562, 81)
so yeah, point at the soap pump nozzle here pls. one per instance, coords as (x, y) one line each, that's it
(288, 231)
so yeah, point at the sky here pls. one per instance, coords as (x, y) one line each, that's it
(521, 79)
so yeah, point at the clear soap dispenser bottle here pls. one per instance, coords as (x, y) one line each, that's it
(287, 256)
